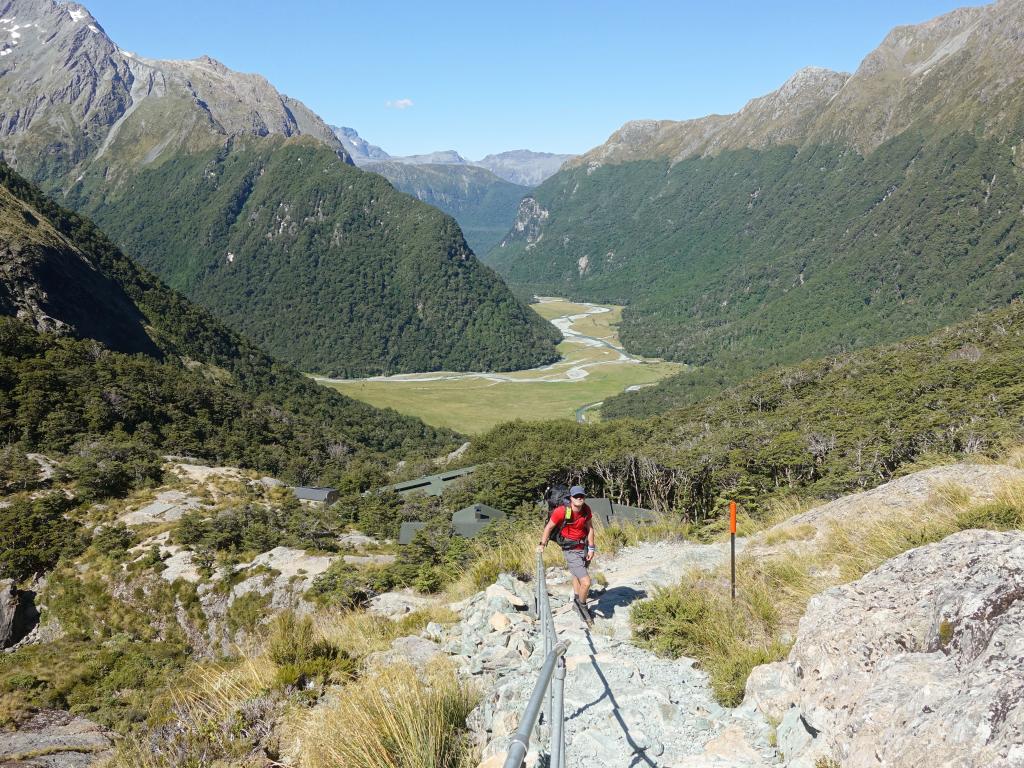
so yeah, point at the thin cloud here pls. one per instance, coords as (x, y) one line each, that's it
(398, 104)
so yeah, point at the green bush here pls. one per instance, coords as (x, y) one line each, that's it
(113, 540)
(112, 467)
(302, 656)
(258, 528)
(37, 533)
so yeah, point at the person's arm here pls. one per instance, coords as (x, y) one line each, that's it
(546, 534)
(591, 543)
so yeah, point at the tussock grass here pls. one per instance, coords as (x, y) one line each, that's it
(696, 618)
(609, 539)
(12, 710)
(303, 655)
(514, 551)
(801, 532)
(394, 717)
(217, 716)
(361, 633)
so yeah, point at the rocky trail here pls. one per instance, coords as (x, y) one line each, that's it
(626, 707)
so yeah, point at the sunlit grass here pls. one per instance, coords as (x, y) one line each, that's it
(697, 617)
(389, 718)
(473, 405)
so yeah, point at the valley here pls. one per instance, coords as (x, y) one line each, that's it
(593, 366)
(276, 446)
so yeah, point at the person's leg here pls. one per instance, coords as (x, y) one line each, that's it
(584, 590)
(578, 570)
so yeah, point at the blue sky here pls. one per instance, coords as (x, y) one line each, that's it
(483, 77)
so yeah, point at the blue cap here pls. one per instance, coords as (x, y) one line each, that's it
(577, 490)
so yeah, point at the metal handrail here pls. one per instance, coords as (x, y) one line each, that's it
(544, 692)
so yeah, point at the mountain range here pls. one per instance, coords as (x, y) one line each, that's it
(837, 212)
(483, 196)
(195, 170)
(92, 346)
(519, 166)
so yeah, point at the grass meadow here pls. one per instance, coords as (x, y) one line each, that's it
(474, 405)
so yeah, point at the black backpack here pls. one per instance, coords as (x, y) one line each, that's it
(558, 496)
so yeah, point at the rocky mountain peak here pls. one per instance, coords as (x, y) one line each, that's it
(945, 73)
(57, 62)
(359, 149)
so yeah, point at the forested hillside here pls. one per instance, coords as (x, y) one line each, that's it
(277, 237)
(821, 428)
(245, 200)
(191, 387)
(484, 205)
(835, 213)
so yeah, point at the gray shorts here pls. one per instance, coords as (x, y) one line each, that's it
(576, 560)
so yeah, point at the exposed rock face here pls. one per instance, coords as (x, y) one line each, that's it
(359, 149)
(907, 495)
(780, 117)
(57, 62)
(48, 283)
(962, 69)
(19, 615)
(55, 739)
(8, 608)
(921, 662)
(518, 166)
(529, 223)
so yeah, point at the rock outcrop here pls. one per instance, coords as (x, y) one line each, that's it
(8, 608)
(920, 662)
(56, 739)
(19, 615)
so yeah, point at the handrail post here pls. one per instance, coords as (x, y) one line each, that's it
(519, 745)
(557, 755)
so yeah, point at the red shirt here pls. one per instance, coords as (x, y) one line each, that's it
(579, 523)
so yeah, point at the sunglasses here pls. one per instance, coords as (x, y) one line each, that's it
(579, 496)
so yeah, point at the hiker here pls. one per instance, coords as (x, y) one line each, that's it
(572, 522)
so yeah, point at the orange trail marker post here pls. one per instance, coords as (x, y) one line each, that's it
(732, 543)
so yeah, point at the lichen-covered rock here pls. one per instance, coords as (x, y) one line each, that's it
(8, 607)
(921, 662)
(56, 739)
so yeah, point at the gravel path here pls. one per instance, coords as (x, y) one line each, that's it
(627, 707)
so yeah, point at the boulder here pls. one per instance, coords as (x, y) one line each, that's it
(8, 608)
(395, 605)
(920, 662)
(56, 739)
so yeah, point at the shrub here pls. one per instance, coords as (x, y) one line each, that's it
(303, 656)
(395, 717)
(113, 467)
(36, 534)
(113, 540)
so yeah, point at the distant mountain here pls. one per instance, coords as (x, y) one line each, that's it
(521, 166)
(444, 157)
(484, 205)
(196, 388)
(837, 212)
(482, 196)
(245, 200)
(359, 149)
